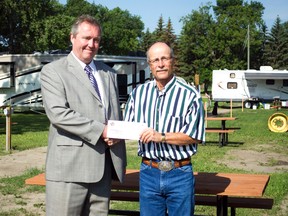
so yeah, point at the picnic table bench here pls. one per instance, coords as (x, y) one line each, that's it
(223, 131)
(204, 200)
(221, 190)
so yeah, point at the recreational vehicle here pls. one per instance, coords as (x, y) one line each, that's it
(20, 77)
(250, 86)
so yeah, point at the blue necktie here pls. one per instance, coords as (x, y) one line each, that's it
(92, 79)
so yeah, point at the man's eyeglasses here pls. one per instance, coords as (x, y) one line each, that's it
(162, 59)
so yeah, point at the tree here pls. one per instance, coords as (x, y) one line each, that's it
(164, 33)
(233, 18)
(169, 36)
(159, 31)
(276, 46)
(46, 26)
(75, 8)
(210, 42)
(171, 39)
(146, 40)
(195, 47)
(55, 32)
(121, 32)
(18, 27)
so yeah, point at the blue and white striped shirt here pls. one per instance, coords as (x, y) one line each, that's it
(177, 108)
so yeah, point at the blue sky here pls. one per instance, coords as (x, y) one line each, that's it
(151, 10)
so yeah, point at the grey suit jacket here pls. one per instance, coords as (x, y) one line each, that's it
(76, 151)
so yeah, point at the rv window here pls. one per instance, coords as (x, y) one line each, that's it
(232, 85)
(270, 82)
(285, 82)
(232, 75)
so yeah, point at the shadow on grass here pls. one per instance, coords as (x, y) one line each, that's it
(25, 122)
(230, 144)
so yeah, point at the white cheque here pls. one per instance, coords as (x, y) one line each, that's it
(125, 130)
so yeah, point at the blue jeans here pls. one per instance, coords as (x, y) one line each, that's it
(169, 192)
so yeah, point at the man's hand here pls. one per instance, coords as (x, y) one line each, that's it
(149, 135)
(110, 142)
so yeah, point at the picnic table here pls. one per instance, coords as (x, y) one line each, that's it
(225, 186)
(222, 130)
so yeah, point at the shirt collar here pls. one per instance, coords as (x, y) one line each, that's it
(168, 86)
(91, 64)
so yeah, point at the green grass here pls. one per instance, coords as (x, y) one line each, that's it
(15, 185)
(28, 130)
(31, 131)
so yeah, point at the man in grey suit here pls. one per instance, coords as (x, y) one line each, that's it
(81, 161)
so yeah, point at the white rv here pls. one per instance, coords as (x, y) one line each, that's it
(20, 77)
(250, 86)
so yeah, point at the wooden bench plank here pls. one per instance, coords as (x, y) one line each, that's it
(223, 134)
(236, 202)
(248, 202)
(125, 196)
(209, 130)
(123, 212)
(227, 128)
(205, 200)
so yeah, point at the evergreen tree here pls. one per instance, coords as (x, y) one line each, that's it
(159, 31)
(276, 46)
(196, 50)
(147, 40)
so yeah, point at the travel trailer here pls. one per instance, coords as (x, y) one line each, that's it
(250, 86)
(20, 77)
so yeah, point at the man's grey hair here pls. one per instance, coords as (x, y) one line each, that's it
(80, 20)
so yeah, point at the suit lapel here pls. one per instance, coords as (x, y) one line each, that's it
(76, 69)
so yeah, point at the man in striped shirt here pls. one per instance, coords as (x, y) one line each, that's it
(174, 114)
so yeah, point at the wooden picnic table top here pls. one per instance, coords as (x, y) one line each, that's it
(223, 184)
(231, 184)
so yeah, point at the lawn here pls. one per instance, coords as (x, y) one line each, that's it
(30, 130)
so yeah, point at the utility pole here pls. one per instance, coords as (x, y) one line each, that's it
(248, 47)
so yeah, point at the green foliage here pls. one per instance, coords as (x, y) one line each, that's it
(276, 46)
(216, 41)
(18, 27)
(163, 32)
(195, 47)
(75, 8)
(46, 26)
(55, 32)
(146, 40)
(121, 31)
(159, 31)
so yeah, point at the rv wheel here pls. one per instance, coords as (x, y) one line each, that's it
(248, 104)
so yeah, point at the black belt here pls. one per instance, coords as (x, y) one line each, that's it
(166, 165)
